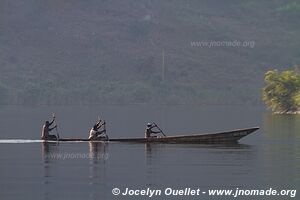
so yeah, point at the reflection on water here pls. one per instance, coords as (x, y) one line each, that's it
(281, 149)
(177, 165)
(97, 167)
(282, 126)
(197, 165)
(30, 169)
(92, 158)
(165, 164)
(47, 149)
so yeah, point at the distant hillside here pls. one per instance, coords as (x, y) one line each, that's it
(111, 52)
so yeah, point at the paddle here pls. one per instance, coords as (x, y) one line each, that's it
(159, 129)
(99, 120)
(53, 115)
(104, 126)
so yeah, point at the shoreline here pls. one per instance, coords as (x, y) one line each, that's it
(287, 113)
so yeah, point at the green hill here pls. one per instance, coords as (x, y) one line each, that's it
(101, 51)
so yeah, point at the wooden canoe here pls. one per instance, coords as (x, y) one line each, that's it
(220, 137)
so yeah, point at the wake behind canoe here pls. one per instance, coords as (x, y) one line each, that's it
(220, 137)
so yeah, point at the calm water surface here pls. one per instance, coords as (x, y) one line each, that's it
(30, 169)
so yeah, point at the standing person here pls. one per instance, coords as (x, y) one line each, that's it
(46, 130)
(96, 134)
(149, 131)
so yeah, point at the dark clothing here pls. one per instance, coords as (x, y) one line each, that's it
(97, 126)
(50, 137)
(149, 131)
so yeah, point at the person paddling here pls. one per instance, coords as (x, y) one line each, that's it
(149, 131)
(96, 133)
(46, 130)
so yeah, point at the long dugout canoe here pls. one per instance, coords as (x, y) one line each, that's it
(220, 137)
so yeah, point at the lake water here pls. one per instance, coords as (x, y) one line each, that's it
(29, 169)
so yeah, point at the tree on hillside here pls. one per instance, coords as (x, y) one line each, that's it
(282, 91)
